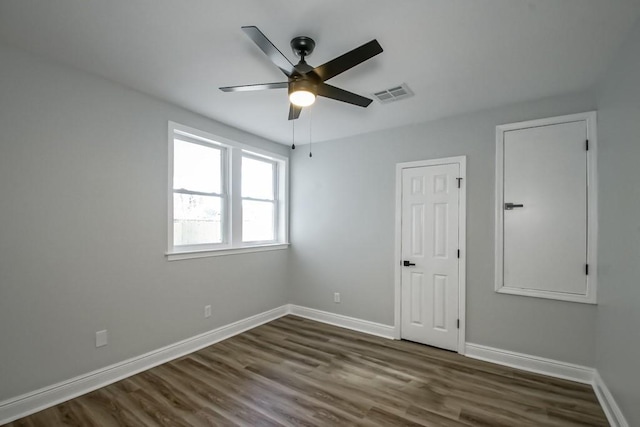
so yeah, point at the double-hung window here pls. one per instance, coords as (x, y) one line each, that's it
(199, 192)
(225, 197)
(259, 202)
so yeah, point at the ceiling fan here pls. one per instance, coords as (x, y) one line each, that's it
(305, 82)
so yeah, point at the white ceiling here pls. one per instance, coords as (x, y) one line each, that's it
(456, 55)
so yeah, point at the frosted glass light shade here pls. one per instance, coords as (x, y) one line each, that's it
(302, 98)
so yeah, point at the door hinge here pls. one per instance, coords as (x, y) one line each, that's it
(459, 182)
(586, 145)
(586, 269)
(458, 253)
(458, 323)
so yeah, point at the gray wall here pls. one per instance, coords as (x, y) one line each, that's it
(618, 316)
(83, 179)
(342, 230)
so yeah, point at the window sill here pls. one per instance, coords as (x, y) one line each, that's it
(175, 256)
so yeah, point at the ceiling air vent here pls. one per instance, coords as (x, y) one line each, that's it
(393, 94)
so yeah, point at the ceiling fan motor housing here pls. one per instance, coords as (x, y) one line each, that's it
(303, 84)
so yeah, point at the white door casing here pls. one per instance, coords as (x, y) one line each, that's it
(544, 246)
(429, 231)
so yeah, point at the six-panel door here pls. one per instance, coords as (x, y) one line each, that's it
(429, 289)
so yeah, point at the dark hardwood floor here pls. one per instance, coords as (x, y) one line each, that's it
(297, 372)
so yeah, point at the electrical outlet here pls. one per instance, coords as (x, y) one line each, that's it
(207, 311)
(336, 297)
(101, 338)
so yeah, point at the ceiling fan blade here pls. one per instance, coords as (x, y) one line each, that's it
(261, 86)
(294, 111)
(338, 94)
(348, 60)
(269, 49)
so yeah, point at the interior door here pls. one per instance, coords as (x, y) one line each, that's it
(430, 278)
(545, 217)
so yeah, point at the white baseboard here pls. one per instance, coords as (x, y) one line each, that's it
(608, 403)
(526, 362)
(35, 401)
(371, 328)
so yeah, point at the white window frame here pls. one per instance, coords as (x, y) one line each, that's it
(590, 297)
(232, 153)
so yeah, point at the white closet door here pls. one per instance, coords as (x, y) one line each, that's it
(545, 240)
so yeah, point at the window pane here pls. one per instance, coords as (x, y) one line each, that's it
(257, 221)
(196, 167)
(257, 179)
(196, 219)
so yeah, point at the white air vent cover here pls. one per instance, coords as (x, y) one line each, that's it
(393, 94)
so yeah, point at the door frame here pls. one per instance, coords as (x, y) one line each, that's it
(461, 161)
(592, 209)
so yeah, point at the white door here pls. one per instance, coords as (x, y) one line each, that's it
(430, 278)
(545, 232)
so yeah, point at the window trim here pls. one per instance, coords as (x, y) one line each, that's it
(232, 153)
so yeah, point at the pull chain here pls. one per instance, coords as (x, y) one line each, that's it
(310, 121)
(293, 134)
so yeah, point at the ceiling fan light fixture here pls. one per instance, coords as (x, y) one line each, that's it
(302, 98)
(302, 93)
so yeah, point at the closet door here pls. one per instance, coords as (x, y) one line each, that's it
(544, 211)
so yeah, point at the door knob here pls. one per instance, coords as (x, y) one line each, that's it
(510, 206)
(407, 263)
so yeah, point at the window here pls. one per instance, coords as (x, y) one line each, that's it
(198, 198)
(258, 199)
(225, 197)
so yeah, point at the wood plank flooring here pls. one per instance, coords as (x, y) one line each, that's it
(297, 372)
